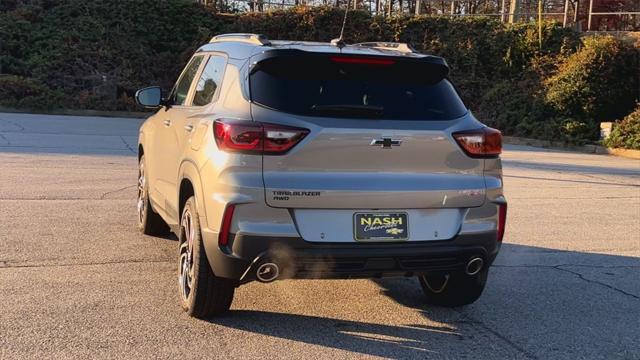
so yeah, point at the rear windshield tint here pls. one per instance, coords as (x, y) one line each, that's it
(328, 87)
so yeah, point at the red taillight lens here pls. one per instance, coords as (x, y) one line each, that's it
(245, 136)
(251, 137)
(502, 220)
(225, 228)
(480, 143)
(361, 60)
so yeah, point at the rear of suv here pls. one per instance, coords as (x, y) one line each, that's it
(283, 159)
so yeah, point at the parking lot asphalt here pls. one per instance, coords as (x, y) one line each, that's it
(78, 281)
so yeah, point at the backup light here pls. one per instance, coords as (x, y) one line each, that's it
(480, 143)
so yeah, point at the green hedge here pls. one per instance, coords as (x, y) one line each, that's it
(565, 96)
(95, 54)
(597, 83)
(626, 133)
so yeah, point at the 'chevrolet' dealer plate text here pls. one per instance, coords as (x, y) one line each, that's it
(380, 226)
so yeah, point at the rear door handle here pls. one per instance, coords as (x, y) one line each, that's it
(188, 128)
(167, 123)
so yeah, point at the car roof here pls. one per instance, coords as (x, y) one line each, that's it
(242, 46)
(350, 49)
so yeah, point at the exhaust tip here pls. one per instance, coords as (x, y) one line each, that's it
(474, 266)
(267, 272)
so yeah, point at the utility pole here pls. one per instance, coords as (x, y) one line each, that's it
(503, 12)
(540, 23)
(514, 14)
(590, 11)
(575, 15)
(565, 19)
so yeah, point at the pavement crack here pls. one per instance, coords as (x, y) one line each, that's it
(606, 179)
(562, 267)
(576, 265)
(6, 265)
(470, 320)
(63, 133)
(102, 197)
(5, 139)
(10, 122)
(575, 198)
(607, 183)
(580, 276)
(127, 145)
(46, 198)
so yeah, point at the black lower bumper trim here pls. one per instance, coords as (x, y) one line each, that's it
(301, 259)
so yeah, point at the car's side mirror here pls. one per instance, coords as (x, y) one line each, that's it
(150, 97)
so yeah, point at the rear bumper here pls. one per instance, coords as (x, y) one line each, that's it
(301, 259)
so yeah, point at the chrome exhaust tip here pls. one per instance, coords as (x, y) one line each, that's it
(474, 266)
(267, 272)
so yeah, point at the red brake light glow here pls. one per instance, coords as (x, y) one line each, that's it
(225, 228)
(361, 60)
(251, 137)
(481, 143)
(502, 221)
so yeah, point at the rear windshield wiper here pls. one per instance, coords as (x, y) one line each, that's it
(351, 109)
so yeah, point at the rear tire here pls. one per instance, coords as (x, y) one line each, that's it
(455, 289)
(149, 222)
(202, 293)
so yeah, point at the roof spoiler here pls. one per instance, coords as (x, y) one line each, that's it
(255, 39)
(439, 67)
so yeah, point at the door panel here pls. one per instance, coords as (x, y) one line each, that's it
(166, 146)
(174, 141)
(170, 138)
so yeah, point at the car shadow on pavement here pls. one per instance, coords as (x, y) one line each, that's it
(406, 341)
(534, 306)
(542, 302)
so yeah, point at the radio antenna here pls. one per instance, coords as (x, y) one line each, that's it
(339, 42)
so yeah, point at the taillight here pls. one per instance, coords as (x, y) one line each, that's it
(502, 220)
(251, 137)
(225, 228)
(480, 143)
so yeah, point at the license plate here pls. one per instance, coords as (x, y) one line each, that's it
(380, 226)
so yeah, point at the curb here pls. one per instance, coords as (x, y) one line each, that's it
(101, 113)
(587, 149)
(627, 153)
(512, 140)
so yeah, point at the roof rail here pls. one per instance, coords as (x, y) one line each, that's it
(256, 39)
(395, 46)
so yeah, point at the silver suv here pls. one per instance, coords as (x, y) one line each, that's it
(287, 159)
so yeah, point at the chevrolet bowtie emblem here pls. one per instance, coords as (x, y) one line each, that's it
(385, 142)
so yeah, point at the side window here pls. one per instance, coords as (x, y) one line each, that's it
(210, 80)
(181, 89)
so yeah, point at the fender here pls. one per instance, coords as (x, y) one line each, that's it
(156, 204)
(188, 170)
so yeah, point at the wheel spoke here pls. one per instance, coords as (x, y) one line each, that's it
(183, 278)
(186, 255)
(141, 193)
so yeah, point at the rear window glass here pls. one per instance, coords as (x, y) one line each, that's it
(332, 88)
